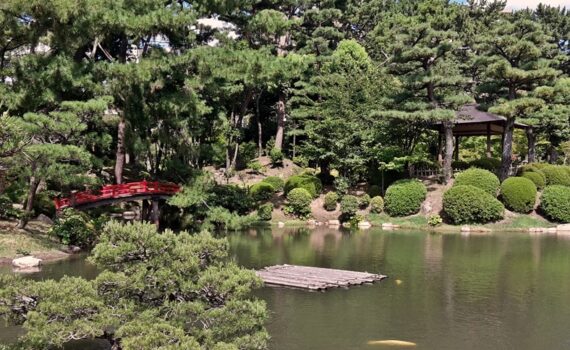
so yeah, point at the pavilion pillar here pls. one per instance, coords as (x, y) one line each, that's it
(155, 216)
(489, 144)
(456, 148)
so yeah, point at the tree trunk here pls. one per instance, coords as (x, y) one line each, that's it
(280, 121)
(448, 153)
(259, 126)
(120, 155)
(553, 155)
(29, 205)
(155, 213)
(531, 137)
(507, 156)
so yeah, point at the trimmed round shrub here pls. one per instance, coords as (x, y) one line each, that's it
(490, 164)
(276, 182)
(349, 205)
(537, 178)
(276, 156)
(299, 202)
(331, 199)
(265, 212)
(404, 197)
(364, 201)
(376, 205)
(374, 191)
(261, 191)
(556, 175)
(471, 205)
(555, 203)
(518, 194)
(309, 182)
(481, 178)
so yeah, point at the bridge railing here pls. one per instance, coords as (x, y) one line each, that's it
(116, 191)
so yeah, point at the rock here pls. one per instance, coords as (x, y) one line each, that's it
(26, 262)
(18, 206)
(346, 224)
(311, 222)
(387, 226)
(280, 224)
(73, 249)
(334, 223)
(551, 230)
(319, 223)
(564, 229)
(396, 226)
(27, 270)
(465, 228)
(43, 218)
(364, 224)
(427, 207)
(129, 215)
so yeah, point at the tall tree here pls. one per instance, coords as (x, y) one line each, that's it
(519, 56)
(419, 47)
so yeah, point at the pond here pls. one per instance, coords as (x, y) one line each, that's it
(500, 291)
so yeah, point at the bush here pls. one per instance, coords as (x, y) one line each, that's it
(255, 166)
(518, 194)
(276, 182)
(404, 197)
(537, 178)
(481, 178)
(556, 175)
(301, 161)
(276, 156)
(471, 205)
(261, 191)
(364, 201)
(435, 220)
(349, 206)
(231, 197)
(7, 211)
(341, 185)
(375, 191)
(460, 165)
(555, 203)
(265, 212)
(376, 205)
(223, 219)
(73, 227)
(331, 200)
(299, 202)
(490, 164)
(306, 181)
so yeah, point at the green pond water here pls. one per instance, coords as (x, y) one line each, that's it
(501, 291)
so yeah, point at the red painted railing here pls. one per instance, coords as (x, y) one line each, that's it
(117, 191)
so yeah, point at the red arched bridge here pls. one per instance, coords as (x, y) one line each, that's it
(111, 194)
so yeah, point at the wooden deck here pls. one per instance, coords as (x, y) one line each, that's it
(314, 278)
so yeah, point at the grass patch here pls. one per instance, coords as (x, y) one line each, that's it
(521, 222)
(415, 221)
(15, 243)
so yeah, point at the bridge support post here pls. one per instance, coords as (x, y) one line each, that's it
(155, 215)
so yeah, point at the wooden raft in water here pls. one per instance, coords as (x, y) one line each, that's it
(314, 278)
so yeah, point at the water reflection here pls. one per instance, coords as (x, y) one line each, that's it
(503, 291)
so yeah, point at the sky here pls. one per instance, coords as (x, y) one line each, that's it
(521, 4)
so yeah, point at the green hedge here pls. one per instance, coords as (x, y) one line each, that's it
(518, 194)
(349, 206)
(404, 197)
(261, 191)
(491, 164)
(299, 202)
(556, 175)
(376, 205)
(481, 178)
(275, 181)
(331, 200)
(309, 182)
(265, 212)
(537, 178)
(471, 205)
(555, 203)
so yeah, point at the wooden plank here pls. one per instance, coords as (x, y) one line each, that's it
(314, 278)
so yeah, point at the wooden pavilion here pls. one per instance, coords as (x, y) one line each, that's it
(470, 121)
